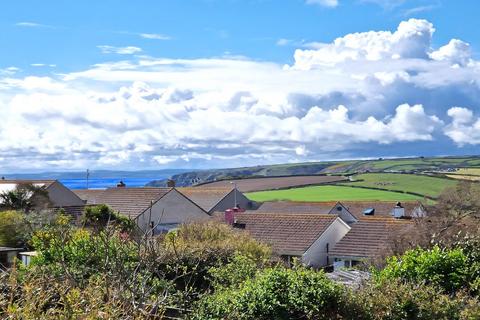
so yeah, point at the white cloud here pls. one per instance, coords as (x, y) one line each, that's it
(324, 3)
(354, 96)
(411, 40)
(465, 128)
(29, 24)
(456, 52)
(119, 50)
(155, 36)
(283, 42)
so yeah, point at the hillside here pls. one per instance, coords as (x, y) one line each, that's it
(403, 165)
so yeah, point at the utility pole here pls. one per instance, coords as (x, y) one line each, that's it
(88, 176)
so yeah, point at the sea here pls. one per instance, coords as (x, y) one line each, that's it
(104, 183)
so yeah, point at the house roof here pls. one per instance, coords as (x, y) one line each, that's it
(382, 208)
(8, 185)
(128, 201)
(89, 195)
(287, 233)
(297, 207)
(369, 236)
(205, 198)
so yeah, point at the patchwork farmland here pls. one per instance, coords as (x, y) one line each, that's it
(420, 185)
(273, 183)
(330, 193)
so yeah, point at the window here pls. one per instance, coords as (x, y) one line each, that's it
(327, 247)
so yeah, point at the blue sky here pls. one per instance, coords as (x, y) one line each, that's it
(210, 83)
(205, 28)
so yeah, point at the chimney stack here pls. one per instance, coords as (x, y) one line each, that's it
(230, 215)
(171, 183)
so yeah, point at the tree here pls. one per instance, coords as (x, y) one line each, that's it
(12, 228)
(25, 197)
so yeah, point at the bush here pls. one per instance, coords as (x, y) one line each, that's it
(275, 293)
(397, 300)
(100, 216)
(186, 256)
(447, 269)
(12, 228)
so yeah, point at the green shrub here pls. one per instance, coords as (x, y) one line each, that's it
(397, 300)
(12, 228)
(275, 293)
(100, 216)
(447, 269)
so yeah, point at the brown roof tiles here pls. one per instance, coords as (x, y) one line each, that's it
(206, 198)
(369, 236)
(382, 208)
(128, 201)
(287, 233)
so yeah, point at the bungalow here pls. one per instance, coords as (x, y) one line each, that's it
(335, 208)
(58, 194)
(217, 199)
(368, 238)
(157, 209)
(308, 237)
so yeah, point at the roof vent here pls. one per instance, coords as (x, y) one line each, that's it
(369, 212)
(339, 208)
(121, 184)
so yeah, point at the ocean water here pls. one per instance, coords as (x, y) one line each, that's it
(104, 183)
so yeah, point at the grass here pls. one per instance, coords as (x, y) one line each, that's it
(329, 193)
(424, 185)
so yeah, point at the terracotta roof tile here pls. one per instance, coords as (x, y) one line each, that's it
(287, 233)
(369, 236)
(206, 198)
(89, 195)
(128, 201)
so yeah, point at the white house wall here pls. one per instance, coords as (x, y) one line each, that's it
(171, 209)
(317, 255)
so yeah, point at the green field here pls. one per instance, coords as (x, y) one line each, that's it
(329, 193)
(424, 185)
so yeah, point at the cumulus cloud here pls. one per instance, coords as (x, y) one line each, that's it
(411, 40)
(119, 50)
(465, 128)
(456, 52)
(353, 97)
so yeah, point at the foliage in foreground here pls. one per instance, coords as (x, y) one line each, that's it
(300, 293)
(447, 269)
(106, 273)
